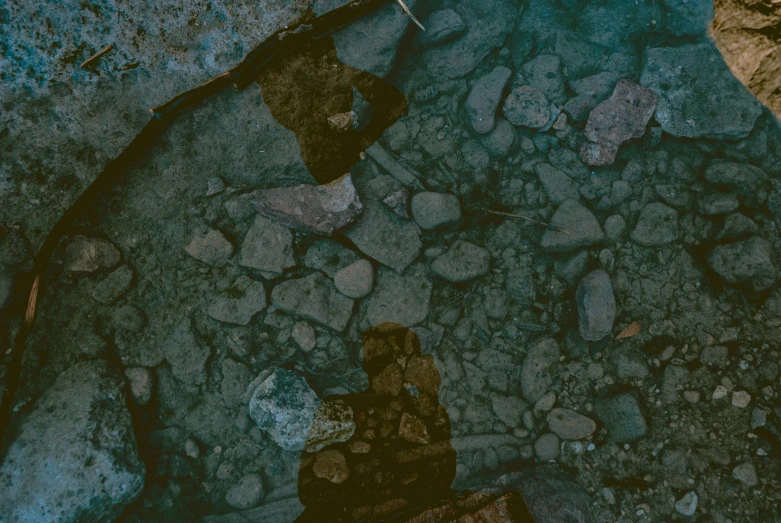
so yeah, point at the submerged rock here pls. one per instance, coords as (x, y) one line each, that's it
(596, 306)
(210, 247)
(568, 424)
(431, 210)
(536, 375)
(239, 303)
(622, 417)
(527, 107)
(402, 299)
(355, 280)
(441, 27)
(657, 225)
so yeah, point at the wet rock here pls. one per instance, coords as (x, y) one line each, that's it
(547, 447)
(687, 505)
(385, 237)
(630, 364)
(527, 107)
(558, 185)
(716, 204)
(240, 303)
(536, 372)
(75, 457)
(714, 355)
(475, 155)
(657, 225)
(591, 91)
(284, 405)
(544, 73)
(721, 108)
(314, 297)
(622, 417)
(398, 202)
(737, 226)
(553, 497)
(355, 280)
(441, 27)
(616, 120)
(268, 246)
(235, 378)
(462, 262)
(431, 210)
(113, 286)
(246, 493)
(483, 99)
(571, 268)
(568, 424)
(582, 228)
(186, 355)
(388, 381)
(402, 299)
(746, 474)
(320, 209)
(675, 195)
(405, 175)
(750, 183)
(333, 423)
(210, 247)
(90, 254)
(596, 306)
(141, 384)
(749, 261)
(331, 465)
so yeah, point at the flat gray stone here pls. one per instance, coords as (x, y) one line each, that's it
(385, 236)
(623, 417)
(527, 107)
(596, 305)
(483, 100)
(582, 228)
(238, 304)
(462, 262)
(210, 247)
(355, 280)
(568, 424)
(558, 185)
(657, 225)
(441, 27)
(314, 297)
(268, 246)
(402, 299)
(90, 254)
(750, 261)
(431, 210)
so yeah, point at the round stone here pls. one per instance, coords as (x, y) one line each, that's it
(247, 493)
(331, 465)
(431, 210)
(355, 280)
(547, 447)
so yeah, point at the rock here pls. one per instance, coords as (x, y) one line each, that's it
(141, 384)
(186, 355)
(331, 465)
(475, 155)
(462, 262)
(721, 108)
(90, 254)
(315, 298)
(547, 447)
(402, 299)
(746, 474)
(676, 195)
(235, 378)
(544, 73)
(552, 496)
(441, 27)
(750, 261)
(355, 280)
(214, 186)
(717, 204)
(320, 209)
(558, 185)
(596, 306)
(431, 210)
(750, 183)
(398, 202)
(406, 176)
(579, 222)
(536, 372)
(527, 107)
(714, 355)
(487, 25)
(240, 303)
(509, 409)
(75, 456)
(284, 405)
(499, 142)
(622, 417)
(268, 246)
(630, 364)
(738, 226)
(388, 381)
(385, 237)
(113, 286)
(246, 493)
(483, 99)
(521, 287)
(568, 424)
(758, 418)
(413, 430)
(6, 288)
(657, 225)
(687, 505)
(329, 256)
(210, 247)
(571, 268)
(741, 399)
(333, 423)
(304, 335)
(598, 86)
(618, 119)
(614, 226)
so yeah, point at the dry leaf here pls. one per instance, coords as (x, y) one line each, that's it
(629, 331)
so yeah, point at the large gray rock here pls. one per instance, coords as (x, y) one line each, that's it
(582, 229)
(385, 236)
(719, 107)
(596, 305)
(750, 261)
(483, 99)
(462, 262)
(536, 375)
(314, 297)
(657, 225)
(402, 299)
(75, 458)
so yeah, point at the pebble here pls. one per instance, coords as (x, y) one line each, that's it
(304, 335)
(717, 204)
(741, 399)
(614, 226)
(315, 298)
(90, 254)
(214, 186)
(191, 448)
(596, 305)
(720, 392)
(527, 107)
(557, 185)
(569, 424)
(746, 474)
(113, 286)
(464, 261)
(579, 222)
(432, 210)
(268, 246)
(239, 304)
(402, 299)
(210, 247)
(386, 237)
(691, 396)
(758, 418)
(141, 384)
(355, 280)
(623, 417)
(509, 409)
(750, 261)
(657, 225)
(484, 98)
(245, 494)
(441, 27)
(331, 466)
(687, 505)
(547, 447)
(536, 376)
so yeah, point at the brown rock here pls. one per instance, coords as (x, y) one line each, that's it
(389, 507)
(621, 117)
(331, 465)
(321, 209)
(90, 254)
(423, 374)
(413, 430)
(388, 381)
(333, 423)
(501, 510)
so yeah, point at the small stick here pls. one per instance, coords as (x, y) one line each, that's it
(409, 13)
(500, 213)
(97, 55)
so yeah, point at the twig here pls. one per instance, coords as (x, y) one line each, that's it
(97, 55)
(500, 213)
(409, 13)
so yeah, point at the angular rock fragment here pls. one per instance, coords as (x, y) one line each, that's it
(239, 303)
(623, 417)
(462, 262)
(750, 261)
(186, 355)
(332, 423)
(536, 375)
(386, 237)
(211, 248)
(314, 297)
(320, 209)
(402, 299)
(483, 99)
(558, 185)
(657, 225)
(268, 246)
(618, 119)
(568, 424)
(582, 229)
(527, 107)
(596, 306)
(113, 286)
(90, 254)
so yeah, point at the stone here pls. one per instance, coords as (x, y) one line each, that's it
(236, 376)
(74, 457)
(544, 73)
(509, 409)
(402, 299)
(413, 430)
(675, 195)
(268, 246)
(283, 405)
(570, 425)
(475, 155)
(462, 262)
(186, 355)
(741, 399)
(527, 107)
(113, 286)
(385, 237)
(596, 306)
(536, 371)
(432, 210)
(750, 262)
(751, 184)
(547, 447)
(333, 423)
(746, 474)
(552, 495)
(355, 280)
(618, 119)
(499, 142)
(388, 381)
(210, 247)
(656, 226)
(214, 186)
(738, 226)
(403, 174)
(521, 287)
(721, 108)
(141, 384)
(717, 204)
(579, 222)
(714, 355)
(329, 256)
(483, 100)
(246, 493)
(331, 465)
(239, 303)
(687, 505)
(315, 298)
(319, 209)
(570, 269)
(630, 364)
(90, 254)
(398, 202)
(557, 185)
(622, 417)
(614, 226)
(758, 418)
(304, 336)
(441, 27)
